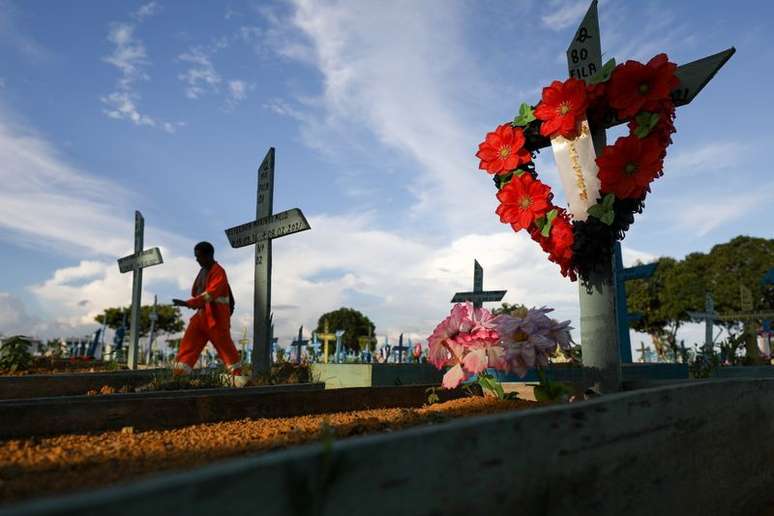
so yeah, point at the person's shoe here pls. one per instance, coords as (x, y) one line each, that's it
(232, 380)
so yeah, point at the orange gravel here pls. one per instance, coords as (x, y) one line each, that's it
(38, 467)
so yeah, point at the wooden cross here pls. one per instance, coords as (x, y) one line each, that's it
(623, 318)
(299, 343)
(400, 348)
(266, 226)
(643, 351)
(478, 296)
(136, 262)
(599, 328)
(326, 337)
(709, 315)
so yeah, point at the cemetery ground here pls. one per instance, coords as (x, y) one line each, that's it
(32, 467)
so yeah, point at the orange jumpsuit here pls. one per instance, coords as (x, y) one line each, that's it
(212, 321)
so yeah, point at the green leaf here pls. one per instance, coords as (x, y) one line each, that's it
(549, 221)
(604, 74)
(604, 210)
(488, 383)
(526, 115)
(645, 123)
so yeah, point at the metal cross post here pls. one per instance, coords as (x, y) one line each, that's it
(400, 348)
(599, 334)
(315, 345)
(299, 343)
(478, 296)
(153, 316)
(136, 263)
(623, 318)
(326, 337)
(260, 232)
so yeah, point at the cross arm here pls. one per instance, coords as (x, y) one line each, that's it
(274, 226)
(693, 77)
(147, 258)
(491, 295)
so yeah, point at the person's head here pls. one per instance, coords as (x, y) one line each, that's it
(205, 254)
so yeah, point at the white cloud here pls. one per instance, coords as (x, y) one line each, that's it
(706, 158)
(131, 59)
(237, 92)
(201, 76)
(564, 14)
(147, 10)
(404, 91)
(704, 214)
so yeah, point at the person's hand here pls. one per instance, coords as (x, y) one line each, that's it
(179, 302)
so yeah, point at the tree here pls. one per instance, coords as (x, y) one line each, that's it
(507, 308)
(169, 319)
(353, 322)
(15, 354)
(679, 286)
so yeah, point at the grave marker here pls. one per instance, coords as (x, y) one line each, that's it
(643, 352)
(260, 232)
(136, 263)
(299, 343)
(599, 331)
(326, 337)
(153, 316)
(315, 345)
(478, 296)
(622, 275)
(339, 334)
(400, 348)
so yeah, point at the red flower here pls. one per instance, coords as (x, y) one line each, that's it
(636, 87)
(562, 107)
(559, 243)
(627, 168)
(522, 201)
(503, 150)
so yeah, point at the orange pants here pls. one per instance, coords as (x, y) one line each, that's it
(195, 338)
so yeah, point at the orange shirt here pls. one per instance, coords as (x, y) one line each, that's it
(211, 296)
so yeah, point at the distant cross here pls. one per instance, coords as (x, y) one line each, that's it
(621, 276)
(243, 343)
(365, 340)
(136, 263)
(266, 226)
(326, 337)
(600, 327)
(709, 315)
(643, 352)
(339, 334)
(400, 348)
(153, 317)
(478, 296)
(299, 343)
(315, 345)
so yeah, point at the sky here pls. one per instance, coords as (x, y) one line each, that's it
(375, 109)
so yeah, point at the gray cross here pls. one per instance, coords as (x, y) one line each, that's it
(400, 348)
(299, 343)
(267, 226)
(478, 296)
(136, 263)
(599, 331)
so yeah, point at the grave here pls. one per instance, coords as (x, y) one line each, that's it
(136, 263)
(260, 232)
(478, 296)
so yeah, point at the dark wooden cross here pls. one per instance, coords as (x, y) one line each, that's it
(478, 296)
(599, 324)
(400, 348)
(260, 232)
(299, 343)
(135, 263)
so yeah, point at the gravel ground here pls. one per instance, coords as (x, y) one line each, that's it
(38, 467)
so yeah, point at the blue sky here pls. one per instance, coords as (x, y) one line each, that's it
(375, 109)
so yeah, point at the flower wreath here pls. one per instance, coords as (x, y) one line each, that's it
(632, 92)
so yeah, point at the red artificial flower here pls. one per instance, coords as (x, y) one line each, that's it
(627, 168)
(636, 87)
(562, 107)
(503, 150)
(559, 243)
(523, 200)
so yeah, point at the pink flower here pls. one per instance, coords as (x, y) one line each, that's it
(467, 340)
